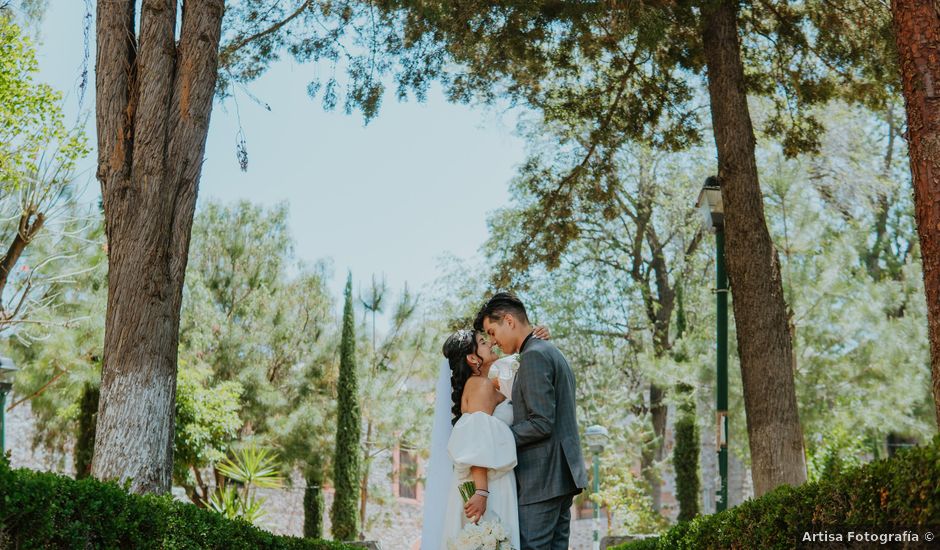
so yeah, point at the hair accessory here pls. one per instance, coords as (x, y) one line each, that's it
(464, 336)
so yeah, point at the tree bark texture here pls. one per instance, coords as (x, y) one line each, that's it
(760, 312)
(154, 98)
(917, 32)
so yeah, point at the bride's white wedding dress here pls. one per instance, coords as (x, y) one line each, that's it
(479, 439)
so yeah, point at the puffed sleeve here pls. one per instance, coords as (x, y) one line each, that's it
(479, 439)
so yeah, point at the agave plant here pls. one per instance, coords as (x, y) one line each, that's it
(251, 467)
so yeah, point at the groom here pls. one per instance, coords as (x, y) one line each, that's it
(550, 470)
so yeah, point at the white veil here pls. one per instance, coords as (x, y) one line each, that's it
(439, 465)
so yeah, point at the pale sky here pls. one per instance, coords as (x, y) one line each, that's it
(389, 198)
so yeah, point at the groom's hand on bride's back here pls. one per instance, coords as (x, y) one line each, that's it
(542, 333)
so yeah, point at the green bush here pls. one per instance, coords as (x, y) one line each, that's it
(685, 455)
(44, 510)
(902, 492)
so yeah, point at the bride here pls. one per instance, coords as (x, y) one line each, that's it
(480, 447)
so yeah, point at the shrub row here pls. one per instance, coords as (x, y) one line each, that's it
(44, 510)
(883, 496)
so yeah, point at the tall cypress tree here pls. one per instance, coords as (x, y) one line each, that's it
(346, 457)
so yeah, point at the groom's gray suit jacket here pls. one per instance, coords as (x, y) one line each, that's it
(545, 425)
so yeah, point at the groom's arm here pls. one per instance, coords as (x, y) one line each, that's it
(538, 393)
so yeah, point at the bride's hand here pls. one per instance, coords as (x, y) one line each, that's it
(475, 508)
(542, 333)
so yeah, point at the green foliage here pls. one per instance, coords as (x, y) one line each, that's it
(247, 469)
(392, 387)
(314, 502)
(42, 510)
(54, 272)
(87, 420)
(627, 499)
(842, 223)
(34, 141)
(856, 40)
(602, 78)
(254, 317)
(901, 491)
(352, 39)
(834, 453)
(226, 502)
(685, 457)
(852, 277)
(31, 11)
(347, 455)
(59, 353)
(207, 422)
(629, 255)
(252, 466)
(256, 352)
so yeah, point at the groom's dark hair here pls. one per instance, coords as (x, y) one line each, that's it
(500, 304)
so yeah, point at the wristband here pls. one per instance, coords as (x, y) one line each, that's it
(482, 492)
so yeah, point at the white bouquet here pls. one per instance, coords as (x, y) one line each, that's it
(485, 535)
(505, 369)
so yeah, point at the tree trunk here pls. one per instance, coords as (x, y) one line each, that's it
(154, 97)
(917, 32)
(760, 312)
(653, 451)
(659, 305)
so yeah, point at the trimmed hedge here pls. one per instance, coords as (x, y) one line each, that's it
(44, 510)
(902, 492)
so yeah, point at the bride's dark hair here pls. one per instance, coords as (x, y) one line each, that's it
(456, 349)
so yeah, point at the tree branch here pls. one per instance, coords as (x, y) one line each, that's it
(24, 235)
(38, 392)
(231, 48)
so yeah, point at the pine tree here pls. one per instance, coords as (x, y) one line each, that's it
(346, 457)
(917, 32)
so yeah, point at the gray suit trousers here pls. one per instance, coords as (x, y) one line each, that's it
(545, 525)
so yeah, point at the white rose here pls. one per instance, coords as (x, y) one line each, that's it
(499, 532)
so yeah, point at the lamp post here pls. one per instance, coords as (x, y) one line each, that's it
(596, 437)
(712, 208)
(7, 368)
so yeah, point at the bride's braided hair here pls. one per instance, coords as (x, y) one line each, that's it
(456, 349)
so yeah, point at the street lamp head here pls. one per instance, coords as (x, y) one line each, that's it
(711, 205)
(596, 437)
